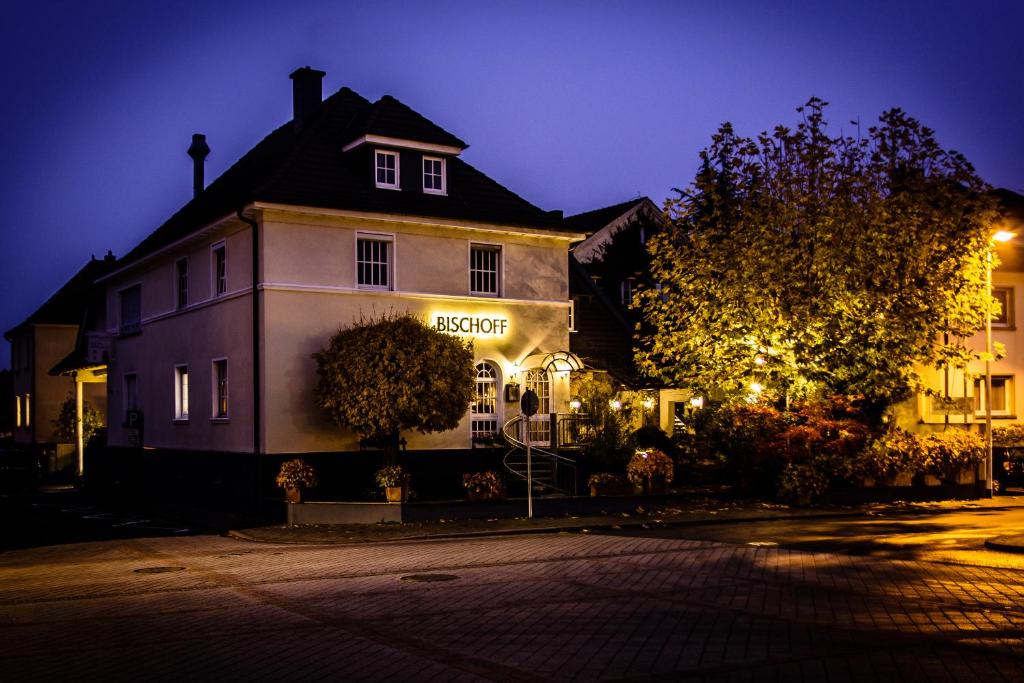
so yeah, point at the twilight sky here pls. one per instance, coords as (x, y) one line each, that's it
(573, 105)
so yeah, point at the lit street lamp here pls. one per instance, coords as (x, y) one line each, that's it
(1001, 236)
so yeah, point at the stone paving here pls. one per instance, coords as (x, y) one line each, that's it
(542, 607)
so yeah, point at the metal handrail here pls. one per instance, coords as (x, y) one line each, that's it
(518, 445)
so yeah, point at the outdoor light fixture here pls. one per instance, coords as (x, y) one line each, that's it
(756, 387)
(615, 404)
(1004, 236)
(759, 360)
(697, 402)
(575, 404)
(648, 403)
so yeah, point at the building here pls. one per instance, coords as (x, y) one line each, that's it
(350, 210)
(41, 341)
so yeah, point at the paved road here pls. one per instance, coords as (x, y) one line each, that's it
(549, 607)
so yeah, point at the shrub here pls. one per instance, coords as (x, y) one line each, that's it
(1010, 436)
(65, 422)
(391, 476)
(802, 482)
(646, 465)
(483, 483)
(894, 453)
(296, 474)
(953, 450)
(605, 479)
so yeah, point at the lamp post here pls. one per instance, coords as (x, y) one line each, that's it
(1000, 236)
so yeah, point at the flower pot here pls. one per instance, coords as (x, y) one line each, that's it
(609, 489)
(293, 494)
(394, 494)
(656, 486)
(485, 495)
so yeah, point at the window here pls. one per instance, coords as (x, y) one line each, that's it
(539, 381)
(181, 392)
(220, 270)
(220, 388)
(484, 269)
(626, 291)
(433, 176)
(1004, 295)
(17, 411)
(131, 310)
(572, 315)
(131, 392)
(387, 169)
(28, 410)
(181, 273)
(1002, 395)
(485, 401)
(373, 262)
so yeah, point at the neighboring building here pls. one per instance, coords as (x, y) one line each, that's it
(351, 210)
(41, 341)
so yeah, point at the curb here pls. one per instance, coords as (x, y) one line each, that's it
(1006, 544)
(563, 528)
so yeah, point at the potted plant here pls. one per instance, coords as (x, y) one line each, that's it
(606, 484)
(394, 480)
(483, 486)
(293, 476)
(650, 469)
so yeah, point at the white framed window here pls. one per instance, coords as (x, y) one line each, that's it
(1002, 396)
(386, 169)
(219, 265)
(130, 300)
(1004, 295)
(485, 269)
(130, 386)
(572, 315)
(626, 288)
(181, 281)
(181, 392)
(220, 388)
(374, 261)
(434, 176)
(484, 409)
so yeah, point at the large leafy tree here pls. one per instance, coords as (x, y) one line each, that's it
(807, 262)
(395, 373)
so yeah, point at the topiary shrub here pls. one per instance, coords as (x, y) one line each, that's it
(952, 451)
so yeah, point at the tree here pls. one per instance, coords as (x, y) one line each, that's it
(65, 422)
(395, 373)
(804, 264)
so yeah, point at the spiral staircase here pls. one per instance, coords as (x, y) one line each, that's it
(554, 472)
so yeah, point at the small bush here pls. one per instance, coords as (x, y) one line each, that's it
(296, 474)
(1010, 436)
(894, 453)
(951, 451)
(483, 483)
(391, 476)
(647, 465)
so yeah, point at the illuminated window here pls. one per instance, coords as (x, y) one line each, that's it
(387, 169)
(572, 315)
(28, 410)
(373, 262)
(131, 310)
(539, 381)
(220, 388)
(1004, 295)
(131, 392)
(1002, 395)
(17, 411)
(485, 270)
(485, 401)
(181, 272)
(433, 175)
(181, 392)
(220, 270)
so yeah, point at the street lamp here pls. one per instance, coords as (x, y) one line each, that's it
(1000, 236)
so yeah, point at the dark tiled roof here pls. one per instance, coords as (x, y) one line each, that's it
(390, 118)
(68, 305)
(604, 338)
(592, 221)
(308, 168)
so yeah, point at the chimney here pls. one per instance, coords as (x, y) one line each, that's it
(307, 94)
(198, 150)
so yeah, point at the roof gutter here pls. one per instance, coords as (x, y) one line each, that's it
(256, 384)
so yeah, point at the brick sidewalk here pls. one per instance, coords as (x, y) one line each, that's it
(548, 607)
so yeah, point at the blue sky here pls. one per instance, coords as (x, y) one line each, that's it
(573, 105)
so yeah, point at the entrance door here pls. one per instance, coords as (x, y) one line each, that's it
(539, 382)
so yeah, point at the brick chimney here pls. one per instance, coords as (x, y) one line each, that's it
(307, 94)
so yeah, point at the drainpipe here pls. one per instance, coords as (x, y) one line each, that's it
(256, 424)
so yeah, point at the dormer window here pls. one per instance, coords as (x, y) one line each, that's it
(433, 176)
(387, 169)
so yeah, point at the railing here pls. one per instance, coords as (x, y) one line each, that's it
(573, 431)
(551, 471)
